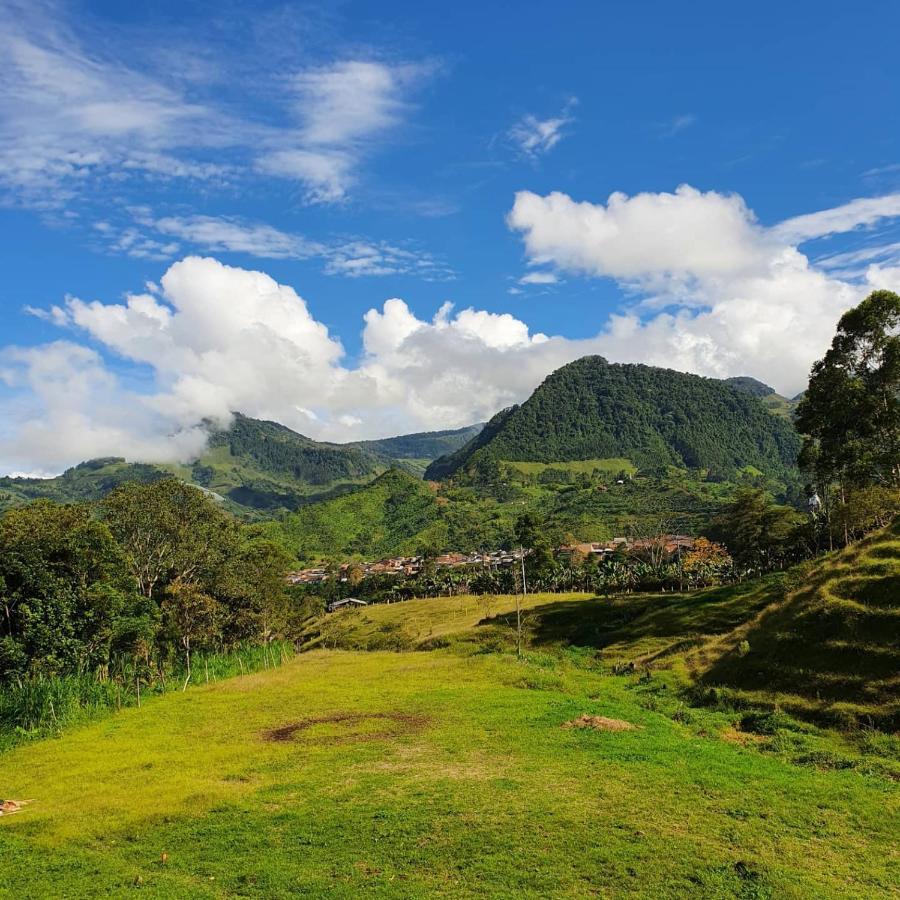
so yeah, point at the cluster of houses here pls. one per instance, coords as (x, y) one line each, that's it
(405, 566)
(410, 566)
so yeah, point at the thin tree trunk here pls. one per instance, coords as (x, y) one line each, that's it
(187, 656)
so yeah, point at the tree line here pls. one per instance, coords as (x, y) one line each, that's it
(150, 575)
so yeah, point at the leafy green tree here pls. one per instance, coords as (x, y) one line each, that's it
(168, 531)
(850, 414)
(758, 533)
(63, 589)
(192, 617)
(250, 586)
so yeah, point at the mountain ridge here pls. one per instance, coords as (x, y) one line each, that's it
(591, 408)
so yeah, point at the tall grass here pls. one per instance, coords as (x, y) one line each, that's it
(43, 705)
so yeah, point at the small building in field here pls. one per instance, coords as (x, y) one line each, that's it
(347, 602)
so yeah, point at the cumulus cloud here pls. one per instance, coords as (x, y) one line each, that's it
(534, 137)
(736, 297)
(730, 297)
(218, 339)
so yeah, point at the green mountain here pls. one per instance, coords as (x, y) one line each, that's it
(774, 402)
(255, 467)
(417, 450)
(422, 445)
(592, 409)
(87, 481)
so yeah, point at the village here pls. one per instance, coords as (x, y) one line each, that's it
(412, 566)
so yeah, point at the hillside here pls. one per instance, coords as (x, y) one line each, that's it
(653, 417)
(422, 446)
(87, 481)
(821, 641)
(382, 774)
(830, 648)
(774, 402)
(395, 513)
(256, 467)
(370, 521)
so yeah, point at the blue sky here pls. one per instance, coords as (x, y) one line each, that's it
(521, 163)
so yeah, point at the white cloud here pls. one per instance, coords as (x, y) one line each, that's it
(342, 109)
(218, 234)
(539, 278)
(860, 213)
(687, 233)
(678, 124)
(738, 298)
(218, 339)
(67, 114)
(534, 137)
(215, 338)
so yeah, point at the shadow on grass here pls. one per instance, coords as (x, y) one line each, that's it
(602, 622)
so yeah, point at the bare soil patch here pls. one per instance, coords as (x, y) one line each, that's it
(8, 807)
(397, 724)
(742, 738)
(601, 723)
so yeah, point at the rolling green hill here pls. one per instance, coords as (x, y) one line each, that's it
(821, 641)
(396, 513)
(255, 467)
(654, 417)
(424, 445)
(399, 514)
(830, 648)
(349, 772)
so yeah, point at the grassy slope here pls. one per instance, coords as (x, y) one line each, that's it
(448, 771)
(375, 521)
(610, 467)
(479, 792)
(824, 638)
(393, 514)
(831, 647)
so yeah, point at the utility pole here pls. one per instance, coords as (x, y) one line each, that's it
(519, 606)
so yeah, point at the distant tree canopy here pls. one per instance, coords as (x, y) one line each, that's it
(655, 417)
(850, 414)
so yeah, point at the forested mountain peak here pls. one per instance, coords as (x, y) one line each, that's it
(592, 408)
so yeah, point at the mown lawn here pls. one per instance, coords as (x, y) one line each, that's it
(466, 785)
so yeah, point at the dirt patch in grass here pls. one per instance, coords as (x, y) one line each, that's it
(601, 723)
(742, 738)
(8, 807)
(351, 727)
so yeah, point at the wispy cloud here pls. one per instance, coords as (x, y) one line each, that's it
(861, 213)
(677, 124)
(533, 137)
(72, 117)
(354, 257)
(539, 278)
(342, 110)
(889, 169)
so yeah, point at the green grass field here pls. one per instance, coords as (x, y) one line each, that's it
(449, 771)
(468, 786)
